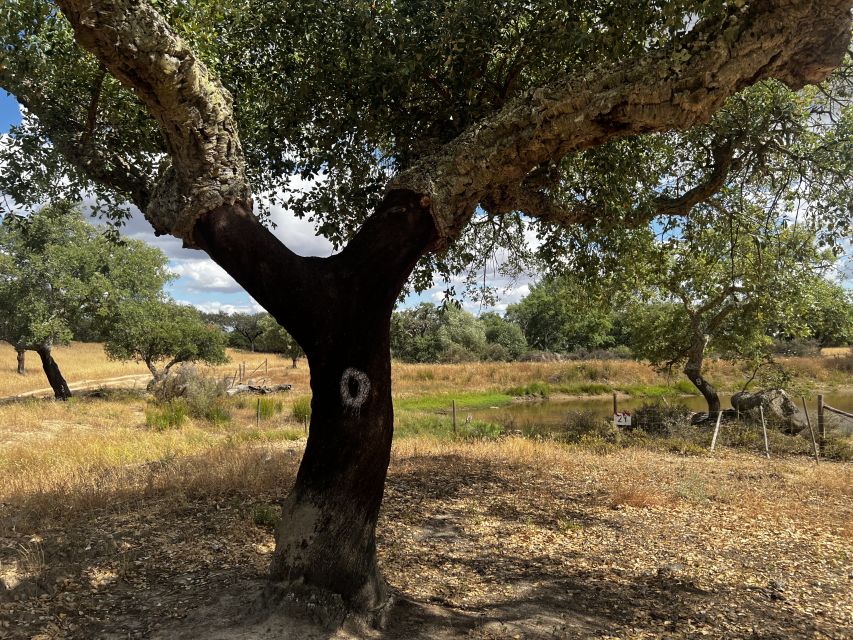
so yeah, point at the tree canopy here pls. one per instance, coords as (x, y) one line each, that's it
(57, 270)
(428, 134)
(162, 334)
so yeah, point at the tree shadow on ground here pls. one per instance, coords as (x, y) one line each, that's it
(191, 565)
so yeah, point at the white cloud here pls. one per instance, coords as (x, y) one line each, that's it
(217, 307)
(204, 275)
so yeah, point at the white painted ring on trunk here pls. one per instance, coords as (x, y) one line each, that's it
(355, 386)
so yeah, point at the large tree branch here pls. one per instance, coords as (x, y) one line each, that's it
(532, 197)
(795, 41)
(192, 108)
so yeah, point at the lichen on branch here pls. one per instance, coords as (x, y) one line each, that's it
(206, 167)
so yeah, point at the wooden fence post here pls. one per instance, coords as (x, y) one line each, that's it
(258, 415)
(811, 430)
(615, 408)
(265, 366)
(821, 422)
(716, 430)
(453, 412)
(764, 428)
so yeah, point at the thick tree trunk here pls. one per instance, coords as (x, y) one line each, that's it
(339, 310)
(294, 362)
(693, 371)
(22, 363)
(327, 534)
(54, 375)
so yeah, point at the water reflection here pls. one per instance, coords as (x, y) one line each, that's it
(551, 415)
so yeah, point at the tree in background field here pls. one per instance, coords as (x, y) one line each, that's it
(161, 334)
(550, 319)
(726, 292)
(276, 339)
(505, 340)
(431, 132)
(56, 271)
(827, 314)
(427, 333)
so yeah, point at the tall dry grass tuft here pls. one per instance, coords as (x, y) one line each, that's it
(41, 494)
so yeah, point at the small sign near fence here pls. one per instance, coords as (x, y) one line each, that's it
(622, 419)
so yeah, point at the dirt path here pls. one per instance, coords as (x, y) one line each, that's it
(85, 385)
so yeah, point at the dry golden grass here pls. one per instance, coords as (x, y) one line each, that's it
(83, 362)
(87, 363)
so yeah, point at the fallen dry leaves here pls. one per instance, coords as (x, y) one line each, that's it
(510, 539)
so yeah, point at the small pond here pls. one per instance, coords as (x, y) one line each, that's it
(550, 415)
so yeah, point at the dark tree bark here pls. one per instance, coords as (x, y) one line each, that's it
(54, 375)
(22, 363)
(693, 371)
(294, 363)
(326, 538)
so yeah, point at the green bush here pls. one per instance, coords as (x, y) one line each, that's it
(302, 409)
(480, 430)
(586, 427)
(838, 448)
(203, 396)
(538, 388)
(268, 407)
(587, 388)
(169, 415)
(217, 411)
(266, 515)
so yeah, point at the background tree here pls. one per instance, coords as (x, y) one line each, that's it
(506, 339)
(427, 333)
(726, 293)
(563, 314)
(247, 326)
(162, 334)
(275, 338)
(434, 126)
(56, 270)
(827, 314)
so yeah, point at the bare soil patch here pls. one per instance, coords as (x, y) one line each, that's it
(482, 540)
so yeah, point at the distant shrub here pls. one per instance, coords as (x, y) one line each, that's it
(496, 353)
(203, 396)
(616, 353)
(657, 418)
(301, 410)
(587, 388)
(481, 430)
(268, 407)
(538, 388)
(838, 448)
(169, 415)
(587, 427)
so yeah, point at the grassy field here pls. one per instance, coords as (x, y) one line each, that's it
(494, 536)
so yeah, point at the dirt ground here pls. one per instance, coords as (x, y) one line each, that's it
(512, 539)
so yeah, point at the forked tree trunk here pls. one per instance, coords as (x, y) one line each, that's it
(326, 538)
(22, 362)
(693, 371)
(54, 375)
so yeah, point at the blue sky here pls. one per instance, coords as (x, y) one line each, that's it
(202, 283)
